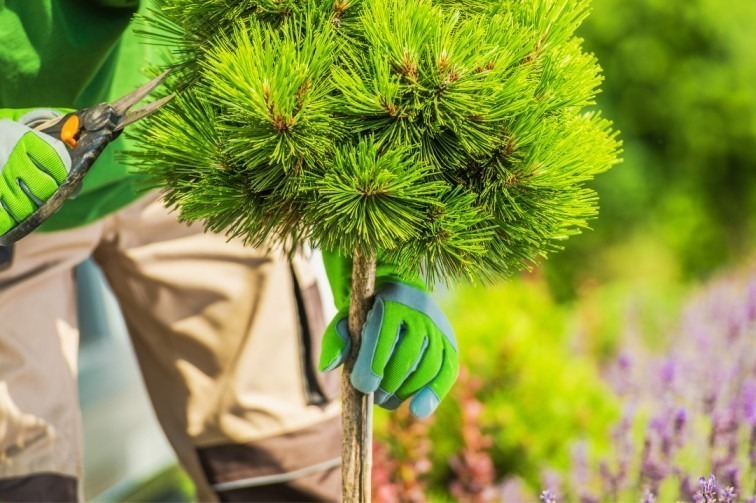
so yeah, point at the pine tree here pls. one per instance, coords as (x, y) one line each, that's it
(444, 136)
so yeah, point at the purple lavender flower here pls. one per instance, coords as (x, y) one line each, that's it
(748, 401)
(653, 470)
(552, 480)
(609, 478)
(625, 360)
(665, 429)
(580, 469)
(547, 496)
(728, 495)
(708, 375)
(750, 310)
(658, 425)
(731, 478)
(736, 321)
(708, 492)
(668, 372)
(512, 489)
(687, 489)
(681, 419)
(619, 374)
(724, 438)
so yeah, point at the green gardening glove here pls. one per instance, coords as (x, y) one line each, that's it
(408, 346)
(32, 165)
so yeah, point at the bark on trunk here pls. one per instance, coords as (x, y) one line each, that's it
(357, 412)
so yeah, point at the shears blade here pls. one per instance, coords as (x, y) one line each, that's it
(122, 105)
(140, 113)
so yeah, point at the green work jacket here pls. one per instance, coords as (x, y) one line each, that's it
(73, 54)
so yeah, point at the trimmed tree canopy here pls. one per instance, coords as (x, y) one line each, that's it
(447, 136)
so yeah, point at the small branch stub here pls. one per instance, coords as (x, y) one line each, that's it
(357, 408)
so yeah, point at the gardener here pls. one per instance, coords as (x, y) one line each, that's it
(223, 333)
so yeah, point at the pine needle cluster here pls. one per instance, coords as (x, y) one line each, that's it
(447, 136)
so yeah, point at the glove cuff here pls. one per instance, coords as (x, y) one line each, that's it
(34, 118)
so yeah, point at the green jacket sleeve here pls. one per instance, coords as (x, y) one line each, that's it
(339, 272)
(75, 54)
(13, 113)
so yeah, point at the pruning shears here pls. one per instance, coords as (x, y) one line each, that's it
(86, 133)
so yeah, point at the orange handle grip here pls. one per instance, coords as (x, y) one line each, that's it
(70, 131)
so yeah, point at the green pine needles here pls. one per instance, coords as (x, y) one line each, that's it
(447, 136)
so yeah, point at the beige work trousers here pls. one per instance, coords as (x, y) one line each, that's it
(224, 335)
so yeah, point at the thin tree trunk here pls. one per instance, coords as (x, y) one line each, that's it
(357, 408)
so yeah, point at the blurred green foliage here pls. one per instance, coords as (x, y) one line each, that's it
(536, 393)
(680, 86)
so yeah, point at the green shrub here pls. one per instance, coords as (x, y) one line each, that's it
(680, 86)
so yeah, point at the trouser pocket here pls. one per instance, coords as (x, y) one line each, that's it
(320, 388)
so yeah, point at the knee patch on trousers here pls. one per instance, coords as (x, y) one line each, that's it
(298, 466)
(42, 487)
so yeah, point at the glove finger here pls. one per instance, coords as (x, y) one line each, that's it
(36, 184)
(406, 358)
(49, 154)
(6, 221)
(15, 201)
(336, 344)
(425, 401)
(399, 369)
(34, 168)
(51, 164)
(428, 368)
(379, 338)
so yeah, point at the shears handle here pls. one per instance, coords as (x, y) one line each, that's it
(86, 133)
(94, 133)
(67, 129)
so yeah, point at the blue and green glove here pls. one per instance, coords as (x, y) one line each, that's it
(408, 346)
(32, 165)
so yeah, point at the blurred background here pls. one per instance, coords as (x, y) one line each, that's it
(624, 367)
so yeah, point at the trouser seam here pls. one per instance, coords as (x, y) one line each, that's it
(265, 480)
